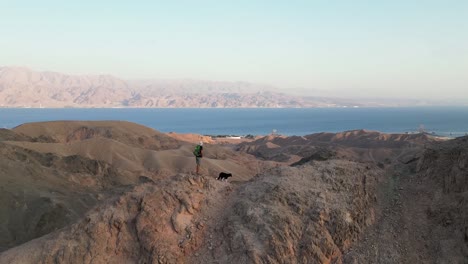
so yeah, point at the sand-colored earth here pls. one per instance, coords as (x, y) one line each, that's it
(118, 192)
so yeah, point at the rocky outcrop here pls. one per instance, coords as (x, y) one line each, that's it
(447, 163)
(154, 223)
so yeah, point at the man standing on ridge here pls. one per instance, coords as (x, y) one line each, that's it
(198, 152)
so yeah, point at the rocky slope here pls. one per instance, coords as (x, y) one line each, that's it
(289, 215)
(49, 178)
(306, 214)
(144, 226)
(359, 145)
(446, 166)
(422, 210)
(43, 191)
(128, 133)
(52, 173)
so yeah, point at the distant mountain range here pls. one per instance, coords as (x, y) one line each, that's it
(22, 87)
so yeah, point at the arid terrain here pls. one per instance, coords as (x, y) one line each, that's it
(119, 192)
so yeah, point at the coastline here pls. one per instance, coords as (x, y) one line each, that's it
(442, 121)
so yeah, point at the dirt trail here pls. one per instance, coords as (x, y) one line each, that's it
(213, 214)
(399, 233)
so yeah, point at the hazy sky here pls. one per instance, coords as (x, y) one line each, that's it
(398, 48)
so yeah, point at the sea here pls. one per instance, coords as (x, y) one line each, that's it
(443, 121)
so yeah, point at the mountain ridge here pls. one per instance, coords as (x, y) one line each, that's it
(23, 87)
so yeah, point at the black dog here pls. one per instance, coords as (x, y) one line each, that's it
(224, 176)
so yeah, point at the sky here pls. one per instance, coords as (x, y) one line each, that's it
(388, 49)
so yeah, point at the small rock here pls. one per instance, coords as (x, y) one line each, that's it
(192, 182)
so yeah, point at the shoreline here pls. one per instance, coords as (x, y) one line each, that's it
(241, 122)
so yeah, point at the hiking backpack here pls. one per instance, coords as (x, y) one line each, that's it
(197, 151)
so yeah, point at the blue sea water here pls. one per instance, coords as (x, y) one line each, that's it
(447, 121)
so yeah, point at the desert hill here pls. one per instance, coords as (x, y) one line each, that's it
(359, 145)
(125, 145)
(350, 197)
(69, 167)
(124, 132)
